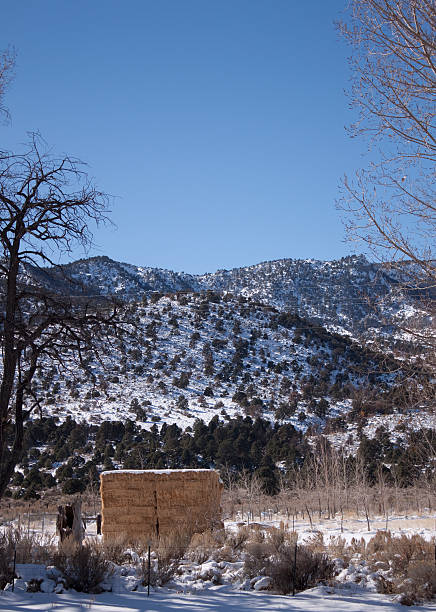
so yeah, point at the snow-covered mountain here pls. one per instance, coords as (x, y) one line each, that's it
(350, 295)
(195, 352)
(196, 356)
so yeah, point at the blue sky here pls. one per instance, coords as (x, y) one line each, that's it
(217, 124)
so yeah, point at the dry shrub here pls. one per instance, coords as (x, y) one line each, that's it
(256, 558)
(30, 547)
(338, 548)
(316, 542)
(406, 549)
(237, 539)
(206, 545)
(276, 538)
(275, 558)
(421, 581)
(167, 554)
(83, 566)
(311, 568)
(399, 551)
(115, 551)
(174, 543)
(6, 559)
(380, 544)
(357, 547)
(409, 562)
(226, 553)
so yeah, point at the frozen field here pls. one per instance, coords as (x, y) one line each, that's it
(219, 599)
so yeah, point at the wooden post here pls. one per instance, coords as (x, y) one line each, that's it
(98, 521)
(367, 517)
(310, 518)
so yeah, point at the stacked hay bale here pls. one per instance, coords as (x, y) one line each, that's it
(147, 504)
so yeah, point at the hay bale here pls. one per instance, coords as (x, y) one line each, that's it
(146, 504)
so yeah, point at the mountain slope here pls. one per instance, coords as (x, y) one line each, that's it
(195, 356)
(350, 295)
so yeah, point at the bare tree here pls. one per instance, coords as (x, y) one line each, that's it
(46, 208)
(394, 89)
(391, 204)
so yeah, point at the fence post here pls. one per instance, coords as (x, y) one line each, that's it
(294, 571)
(14, 567)
(148, 572)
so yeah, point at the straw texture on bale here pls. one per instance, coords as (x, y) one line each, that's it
(148, 504)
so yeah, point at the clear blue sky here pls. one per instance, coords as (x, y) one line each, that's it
(218, 124)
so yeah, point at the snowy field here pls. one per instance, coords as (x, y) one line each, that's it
(194, 589)
(218, 599)
(357, 528)
(355, 588)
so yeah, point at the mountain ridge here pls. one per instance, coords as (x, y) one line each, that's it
(351, 295)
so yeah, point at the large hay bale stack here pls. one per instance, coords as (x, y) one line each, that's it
(146, 504)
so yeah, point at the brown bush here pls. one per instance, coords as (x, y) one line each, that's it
(82, 566)
(315, 542)
(311, 568)
(6, 559)
(255, 559)
(237, 539)
(115, 551)
(407, 563)
(275, 558)
(167, 554)
(338, 548)
(204, 546)
(29, 547)
(421, 580)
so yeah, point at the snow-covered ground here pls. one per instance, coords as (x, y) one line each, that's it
(357, 528)
(218, 586)
(217, 599)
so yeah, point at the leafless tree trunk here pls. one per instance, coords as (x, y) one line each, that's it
(46, 206)
(78, 530)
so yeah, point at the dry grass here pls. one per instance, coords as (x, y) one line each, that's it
(207, 545)
(30, 547)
